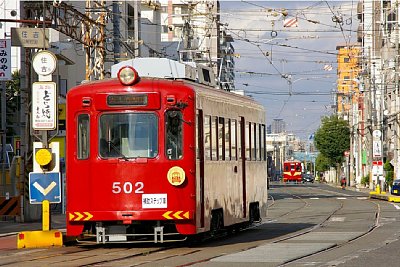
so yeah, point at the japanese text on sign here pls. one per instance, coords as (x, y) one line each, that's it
(44, 106)
(154, 201)
(44, 63)
(5, 59)
(30, 37)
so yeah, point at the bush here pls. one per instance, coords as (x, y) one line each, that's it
(388, 172)
(365, 180)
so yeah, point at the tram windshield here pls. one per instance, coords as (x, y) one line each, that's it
(128, 135)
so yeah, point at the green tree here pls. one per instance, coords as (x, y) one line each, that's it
(332, 139)
(13, 89)
(321, 163)
(389, 169)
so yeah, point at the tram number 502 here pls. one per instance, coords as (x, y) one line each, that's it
(127, 187)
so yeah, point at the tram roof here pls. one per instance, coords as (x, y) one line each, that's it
(168, 69)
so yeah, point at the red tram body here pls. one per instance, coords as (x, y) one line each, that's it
(162, 158)
(292, 171)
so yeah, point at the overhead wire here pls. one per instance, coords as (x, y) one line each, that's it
(250, 38)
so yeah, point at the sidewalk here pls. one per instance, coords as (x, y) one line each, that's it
(376, 194)
(8, 228)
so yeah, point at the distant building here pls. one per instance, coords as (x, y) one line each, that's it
(10, 10)
(278, 126)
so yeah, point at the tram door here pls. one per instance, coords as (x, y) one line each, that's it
(200, 140)
(242, 157)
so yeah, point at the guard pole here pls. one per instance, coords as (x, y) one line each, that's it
(45, 215)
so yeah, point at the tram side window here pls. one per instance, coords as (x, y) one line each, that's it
(227, 139)
(262, 142)
(214, 138)
(253, 141)
(239, 138)
(248, 140)
(83, 136)
(221, 134)
(233, 140)
(174, 135)
(207, 137)
(257, 141)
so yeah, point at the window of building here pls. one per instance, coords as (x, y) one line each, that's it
(177, 10)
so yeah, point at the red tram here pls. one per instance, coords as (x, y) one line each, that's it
(160, 159)
(292, 171)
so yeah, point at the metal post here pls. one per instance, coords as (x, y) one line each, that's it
(116, 32)
(397, 97)
(3, 135)
(136, 26)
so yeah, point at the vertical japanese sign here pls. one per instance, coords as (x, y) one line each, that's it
(377, 144)
(44, 107)
(5, 59)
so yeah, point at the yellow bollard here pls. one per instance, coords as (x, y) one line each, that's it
(44, 238)
(378, 189)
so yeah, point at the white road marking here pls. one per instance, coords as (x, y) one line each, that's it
(397, 207)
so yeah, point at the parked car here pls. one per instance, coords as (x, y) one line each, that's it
(396, 187)
(308, 178)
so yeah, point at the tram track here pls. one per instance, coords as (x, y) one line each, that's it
(340, 245)
(188, 255)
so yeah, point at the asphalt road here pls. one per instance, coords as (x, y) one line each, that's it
(306, 225)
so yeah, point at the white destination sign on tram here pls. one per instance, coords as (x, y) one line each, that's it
(154, 201)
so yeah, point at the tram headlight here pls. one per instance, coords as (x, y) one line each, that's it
(128, 75)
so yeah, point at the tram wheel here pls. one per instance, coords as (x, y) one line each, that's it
(254, 215)
(217, 221)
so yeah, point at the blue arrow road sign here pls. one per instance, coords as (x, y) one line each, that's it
(44, 186)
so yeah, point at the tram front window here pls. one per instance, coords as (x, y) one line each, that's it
(128, 135)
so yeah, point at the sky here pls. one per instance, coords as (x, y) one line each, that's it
(292, 71)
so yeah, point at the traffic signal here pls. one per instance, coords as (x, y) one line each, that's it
(46, 159)
(43, 157)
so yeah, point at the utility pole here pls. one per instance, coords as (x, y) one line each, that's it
(88, 29)
(116, 31)
(3, 130)
(397, 97)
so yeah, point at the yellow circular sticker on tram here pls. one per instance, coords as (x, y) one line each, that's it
(176, 176)
(43, 156)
